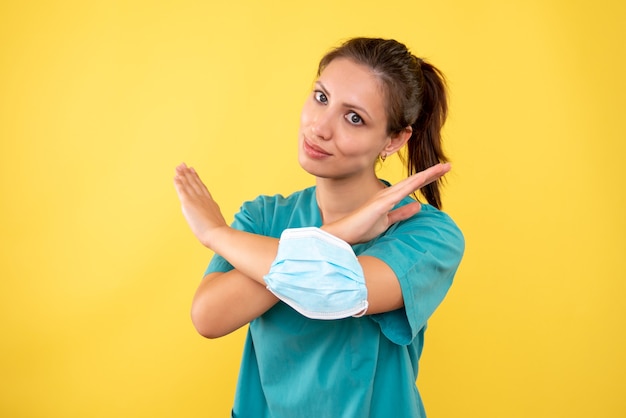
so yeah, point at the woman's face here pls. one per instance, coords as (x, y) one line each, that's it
(343, 126)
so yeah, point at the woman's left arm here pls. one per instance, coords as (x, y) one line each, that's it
(371, 220)
(383, 288)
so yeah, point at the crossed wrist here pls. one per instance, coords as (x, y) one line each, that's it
(213, 237)
(333, 230)
(318, 275)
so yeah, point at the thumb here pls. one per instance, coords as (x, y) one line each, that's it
(403, 212)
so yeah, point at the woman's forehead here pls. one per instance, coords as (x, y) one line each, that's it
(346, 80)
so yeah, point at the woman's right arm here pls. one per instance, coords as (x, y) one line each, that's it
(224, 302)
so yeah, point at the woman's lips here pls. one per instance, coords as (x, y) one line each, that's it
(314, 151)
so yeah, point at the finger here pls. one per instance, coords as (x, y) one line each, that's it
(179, 177)
(404, 212)
(418, 180)
(198, 183)
(182, 189)
(180, 169)
(181, 180)
(191, 181)
(433, 173)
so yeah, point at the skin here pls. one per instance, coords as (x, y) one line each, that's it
(342, 133)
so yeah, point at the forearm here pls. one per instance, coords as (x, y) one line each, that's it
(384, 293)
(224, 302)
(250, 254)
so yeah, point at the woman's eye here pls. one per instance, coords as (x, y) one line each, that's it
(321, 97)
(354, 118)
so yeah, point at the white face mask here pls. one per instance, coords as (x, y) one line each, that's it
(318, 275)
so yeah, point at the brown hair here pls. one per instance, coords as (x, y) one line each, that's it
(416, 96)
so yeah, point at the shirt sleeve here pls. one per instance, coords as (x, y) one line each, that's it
(424, 252)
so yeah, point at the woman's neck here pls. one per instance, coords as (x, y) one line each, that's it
(337, 198)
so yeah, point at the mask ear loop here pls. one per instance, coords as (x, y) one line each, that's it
(362, 313)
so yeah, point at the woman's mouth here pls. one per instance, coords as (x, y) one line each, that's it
(314, 151)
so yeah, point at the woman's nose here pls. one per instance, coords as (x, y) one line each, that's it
(321, 126)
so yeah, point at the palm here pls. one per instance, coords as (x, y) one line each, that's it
(201, 212)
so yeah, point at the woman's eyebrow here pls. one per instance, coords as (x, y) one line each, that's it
(348, 105)
(321, 86)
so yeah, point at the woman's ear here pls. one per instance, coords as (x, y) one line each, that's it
(398, 140)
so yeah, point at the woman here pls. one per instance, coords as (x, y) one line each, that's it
(337, 281)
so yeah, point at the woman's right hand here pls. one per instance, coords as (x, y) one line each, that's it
(199, 209)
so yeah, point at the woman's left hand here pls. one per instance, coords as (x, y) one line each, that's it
(199, 209)
(374, 217)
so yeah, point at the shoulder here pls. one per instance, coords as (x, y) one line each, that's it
(431, 223)
(269, 215)
(429, 214)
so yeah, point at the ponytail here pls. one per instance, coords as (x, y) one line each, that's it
(424, 148)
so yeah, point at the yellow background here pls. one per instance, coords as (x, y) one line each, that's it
(100, 100)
